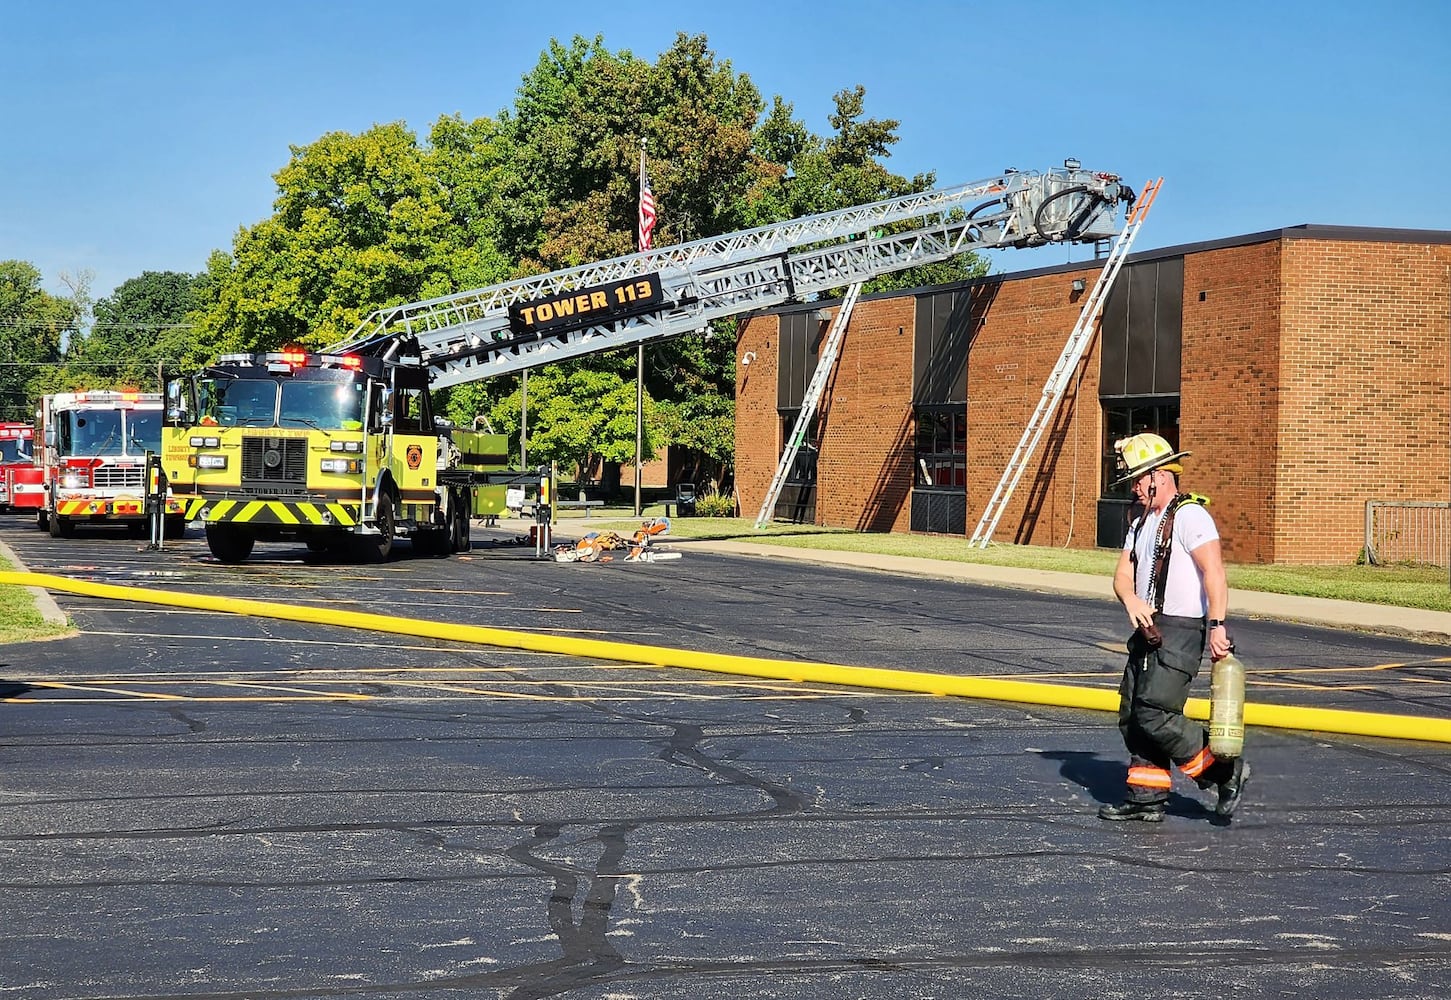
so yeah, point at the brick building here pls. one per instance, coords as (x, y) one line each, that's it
(1308, 369)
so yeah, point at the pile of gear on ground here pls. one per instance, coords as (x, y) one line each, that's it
(639, 547)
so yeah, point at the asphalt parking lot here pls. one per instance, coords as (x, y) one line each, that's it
(203, 805)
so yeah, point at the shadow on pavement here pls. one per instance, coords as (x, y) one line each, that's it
(1104, 780)
(13, 689)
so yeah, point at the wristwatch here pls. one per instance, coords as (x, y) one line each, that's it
(1215, 623)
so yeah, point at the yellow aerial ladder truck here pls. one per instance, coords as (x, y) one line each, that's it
(342, 449)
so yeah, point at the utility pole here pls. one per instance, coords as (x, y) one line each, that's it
(639, 422)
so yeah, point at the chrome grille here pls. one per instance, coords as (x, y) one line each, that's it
(268, 460)
(112, 477)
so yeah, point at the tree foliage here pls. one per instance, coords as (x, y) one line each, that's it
(142, 323)
(365, 221)
(33, 325)
(577, 419)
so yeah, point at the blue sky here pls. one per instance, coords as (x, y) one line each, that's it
(141, 135)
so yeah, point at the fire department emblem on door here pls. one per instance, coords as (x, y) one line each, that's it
(415, 456)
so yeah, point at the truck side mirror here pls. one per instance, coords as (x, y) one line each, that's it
(50, 436)
(175, 401)
(385, 407)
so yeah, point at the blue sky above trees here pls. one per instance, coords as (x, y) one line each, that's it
(143, 135)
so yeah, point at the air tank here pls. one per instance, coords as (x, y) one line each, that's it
(1226, 706)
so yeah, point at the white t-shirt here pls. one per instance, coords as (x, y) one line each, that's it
(1184, 592)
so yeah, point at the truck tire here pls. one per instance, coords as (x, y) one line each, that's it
(459, 540)
(229, 544)
(174, 527)
(377, 548)
(42, 520)
(61, 527)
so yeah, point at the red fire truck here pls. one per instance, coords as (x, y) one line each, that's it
(15, 453)
(91, 461)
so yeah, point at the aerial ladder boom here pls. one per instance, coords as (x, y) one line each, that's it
(662, 293)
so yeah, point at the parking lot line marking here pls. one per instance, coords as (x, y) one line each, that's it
(63, 686)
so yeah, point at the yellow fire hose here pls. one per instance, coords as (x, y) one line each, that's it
(1326, 720)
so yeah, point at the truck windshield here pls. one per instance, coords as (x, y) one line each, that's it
(143, 431)
(237, 402)
(12, 450)
(329, 406)
(91, 432)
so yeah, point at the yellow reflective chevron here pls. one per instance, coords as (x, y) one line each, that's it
(120, 506)
(281, 512)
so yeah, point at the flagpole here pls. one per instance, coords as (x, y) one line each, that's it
(639, 353)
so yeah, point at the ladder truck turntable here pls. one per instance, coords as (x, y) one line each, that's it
(342, 449)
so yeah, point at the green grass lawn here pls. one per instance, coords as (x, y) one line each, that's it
(19, 617)
(1402, 586)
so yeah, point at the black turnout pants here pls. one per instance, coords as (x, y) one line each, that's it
(1151, 708)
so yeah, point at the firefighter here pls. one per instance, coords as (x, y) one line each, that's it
(1170, 579)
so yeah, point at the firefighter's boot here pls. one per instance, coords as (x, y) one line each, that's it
(1232, 789)
(1144, 812)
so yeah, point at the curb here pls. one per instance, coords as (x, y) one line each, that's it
(50, 612)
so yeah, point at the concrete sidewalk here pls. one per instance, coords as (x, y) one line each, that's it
(1428, 625)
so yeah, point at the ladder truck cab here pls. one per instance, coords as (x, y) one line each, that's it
(340, 451)
(15, 454)
(92, 460)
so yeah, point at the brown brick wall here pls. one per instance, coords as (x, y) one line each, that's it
(1364, 394)
(1011, 357)
(1229, 391)
(864, 471)
(1314, 378)
(757, 438)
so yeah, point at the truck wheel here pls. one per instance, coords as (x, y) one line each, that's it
(61, 527)
(377, 548)
(42, 520)
(229, 544)
(174, 527)
(460, 533)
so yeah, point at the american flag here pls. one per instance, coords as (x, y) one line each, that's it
(647, 206)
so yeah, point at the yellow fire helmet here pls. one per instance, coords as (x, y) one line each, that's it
(1144, 453)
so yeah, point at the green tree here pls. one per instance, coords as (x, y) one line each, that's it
(576, 419)
(141, 323)
(360, 222)
(33, 325)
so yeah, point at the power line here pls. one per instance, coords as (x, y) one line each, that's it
(89, 364)
(20, 324)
